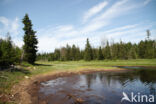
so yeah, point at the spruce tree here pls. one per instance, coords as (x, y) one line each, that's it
(95, 53)
(148, 34)
(67, 53)
(77, 56)
(9, 53)
(73, 52)
(100, 55)
(132, 53)
(30, 41)
(88, 51)
(107, 51)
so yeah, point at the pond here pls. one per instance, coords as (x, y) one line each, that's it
(139, 85)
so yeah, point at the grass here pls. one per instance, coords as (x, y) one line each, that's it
(8, 78)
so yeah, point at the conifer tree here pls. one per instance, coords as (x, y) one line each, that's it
(73, 52)
(67, 52)
(107, 51)
(132, 53)
(148, 34)
(9, 54)
(100, 55)
(30, 41)
(95, 53)
(88, 51)
(78, 55)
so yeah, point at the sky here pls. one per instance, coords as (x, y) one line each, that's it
(61, 22)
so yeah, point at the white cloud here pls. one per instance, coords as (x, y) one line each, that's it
(122, 28)
(18, 41)
(62, 31)
(15, 26)
(94, 10)
(117, 9)
(65, 28)
(93, 26)
(55, 37)
(105, 18)
(47, 43)
(146, 2)
(10, 26)
(4, 21)
(127, 33)
(50, 43)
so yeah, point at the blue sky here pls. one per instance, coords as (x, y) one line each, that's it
(59, 22)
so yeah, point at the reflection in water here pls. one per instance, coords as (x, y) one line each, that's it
(98, 88)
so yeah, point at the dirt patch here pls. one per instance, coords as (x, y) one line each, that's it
(26, 92)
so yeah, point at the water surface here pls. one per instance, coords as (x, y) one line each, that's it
(99, 88)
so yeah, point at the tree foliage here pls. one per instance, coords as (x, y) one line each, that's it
(100, 55)
(88, 55)
(30, 41)
(9, 53)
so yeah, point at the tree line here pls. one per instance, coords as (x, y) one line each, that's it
(145, 49)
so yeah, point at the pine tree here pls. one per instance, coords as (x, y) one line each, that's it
(73, 52)
(6, 52)
(78, 55)
(100, 55)
(88, 51)
(148, 34)
(149, 51)
(115, 51)
(95, 53)
(107, 51)
(67, 53)
(9, 54)
(63, 52)
(30, 41)
(141, 49)
(132, 53)
(57, 55)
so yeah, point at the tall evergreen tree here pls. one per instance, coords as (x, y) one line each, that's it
(88, 55)
(149, 49)
(57, 55)
(132, 53)
(95, 53)
(107, 52)
(67, 53)
(73, 52)
(148, 34)
(154, 45)
(100, 55)
(30, 41)
(78, 55)
(141, 49)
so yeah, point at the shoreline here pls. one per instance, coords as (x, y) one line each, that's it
(26, 91)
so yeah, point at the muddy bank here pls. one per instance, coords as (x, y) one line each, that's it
(26, 92)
